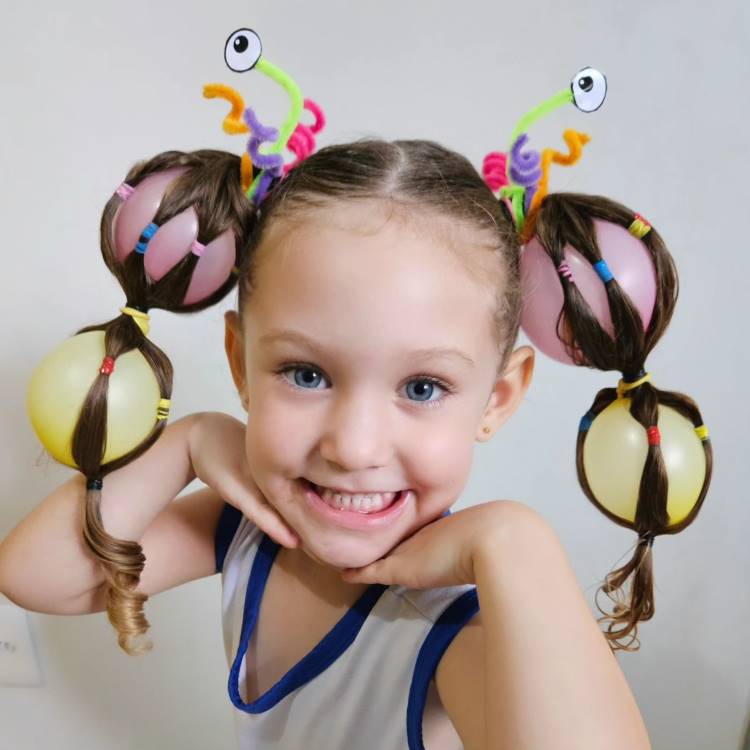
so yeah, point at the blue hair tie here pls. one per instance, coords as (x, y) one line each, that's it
(146, 235)
(603, 270)
(586, 421)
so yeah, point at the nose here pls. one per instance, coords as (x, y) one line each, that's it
(357, 434)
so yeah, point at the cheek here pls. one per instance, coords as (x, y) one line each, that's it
(443, 462)
(272, 435)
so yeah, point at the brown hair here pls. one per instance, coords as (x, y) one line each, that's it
(417, 175)
(422, 176)
(211, 185)
(568, 219)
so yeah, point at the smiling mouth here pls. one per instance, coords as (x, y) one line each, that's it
(359, 503)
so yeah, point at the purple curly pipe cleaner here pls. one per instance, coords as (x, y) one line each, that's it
(266, 178)
(524, 166)
(259, 133)
(270, 164)
(528, 196)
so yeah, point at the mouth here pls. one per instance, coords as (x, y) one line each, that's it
(362, 518)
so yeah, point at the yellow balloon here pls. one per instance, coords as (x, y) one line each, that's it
(59, 385)
(614, 454)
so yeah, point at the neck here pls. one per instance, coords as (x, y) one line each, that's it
(324, 581)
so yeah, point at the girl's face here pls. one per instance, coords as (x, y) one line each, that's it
(333, 367)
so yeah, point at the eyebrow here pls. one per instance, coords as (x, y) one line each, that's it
(298, 338)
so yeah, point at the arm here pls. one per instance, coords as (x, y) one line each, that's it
(550, 678)
(44, 561)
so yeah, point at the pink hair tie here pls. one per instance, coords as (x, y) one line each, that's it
(197, 248)
(124, 191)
(564, 269)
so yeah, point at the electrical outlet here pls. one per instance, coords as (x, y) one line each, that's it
(19, 664)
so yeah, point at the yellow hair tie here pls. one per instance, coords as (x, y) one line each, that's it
(622, 386)
(640, 227)
(162, 410)
(702, 432)
(139, 318)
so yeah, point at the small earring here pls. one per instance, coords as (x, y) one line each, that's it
(486, 430)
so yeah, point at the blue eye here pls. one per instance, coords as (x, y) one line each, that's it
(303, 381)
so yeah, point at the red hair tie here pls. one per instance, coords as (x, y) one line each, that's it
(108, 365)
(654, 438)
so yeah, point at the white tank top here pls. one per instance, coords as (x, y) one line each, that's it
(364, 686)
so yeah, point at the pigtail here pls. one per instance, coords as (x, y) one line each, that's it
(173, 234)
(600, 288)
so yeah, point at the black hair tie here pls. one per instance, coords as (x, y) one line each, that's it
(630, 377)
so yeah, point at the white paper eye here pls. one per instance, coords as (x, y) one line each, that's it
(589, 87)
(242, 50)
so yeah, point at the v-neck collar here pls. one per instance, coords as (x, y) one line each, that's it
(333, 644)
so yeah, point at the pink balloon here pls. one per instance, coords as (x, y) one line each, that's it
(138, 211)
(170, 244)
(213, 268)
(627, 258)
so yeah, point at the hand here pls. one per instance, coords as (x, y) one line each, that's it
(440, 553)
(217, 452)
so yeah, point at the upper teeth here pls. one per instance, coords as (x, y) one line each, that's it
(359, 501)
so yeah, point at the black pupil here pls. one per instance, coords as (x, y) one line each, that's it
(241, 44)
(586, 83)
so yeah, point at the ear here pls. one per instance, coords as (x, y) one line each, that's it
(507, 393)
(235, 349)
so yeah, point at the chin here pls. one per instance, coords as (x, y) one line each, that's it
(346, 554)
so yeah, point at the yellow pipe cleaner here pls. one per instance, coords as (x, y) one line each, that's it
(233, 123)
(575, 141)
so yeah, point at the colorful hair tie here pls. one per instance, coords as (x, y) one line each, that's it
(654, 438)
(640, 227)
(125, 191)
(197, 248)
(564, 270)
(140, 318)
(586, 421)
(602, 269)
(108, 365)
(146, 235)
(162, 410)
(623, 386)
(702, 432)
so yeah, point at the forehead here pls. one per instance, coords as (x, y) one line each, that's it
(365, 277)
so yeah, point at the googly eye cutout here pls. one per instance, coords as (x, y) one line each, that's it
(589, 87)
(242, 50)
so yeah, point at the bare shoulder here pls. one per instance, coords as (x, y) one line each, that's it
(460, 674)
(459, 679)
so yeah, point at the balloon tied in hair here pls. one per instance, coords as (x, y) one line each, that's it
(599, 289)
(175, 233)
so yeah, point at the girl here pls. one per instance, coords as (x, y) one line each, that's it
(373, 345)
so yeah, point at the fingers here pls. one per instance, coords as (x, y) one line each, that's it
(255, 506)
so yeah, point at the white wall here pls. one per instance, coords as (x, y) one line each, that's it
(90, 87)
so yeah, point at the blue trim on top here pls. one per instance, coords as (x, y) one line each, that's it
(445, 629)
(229, 520)
(318, 660)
